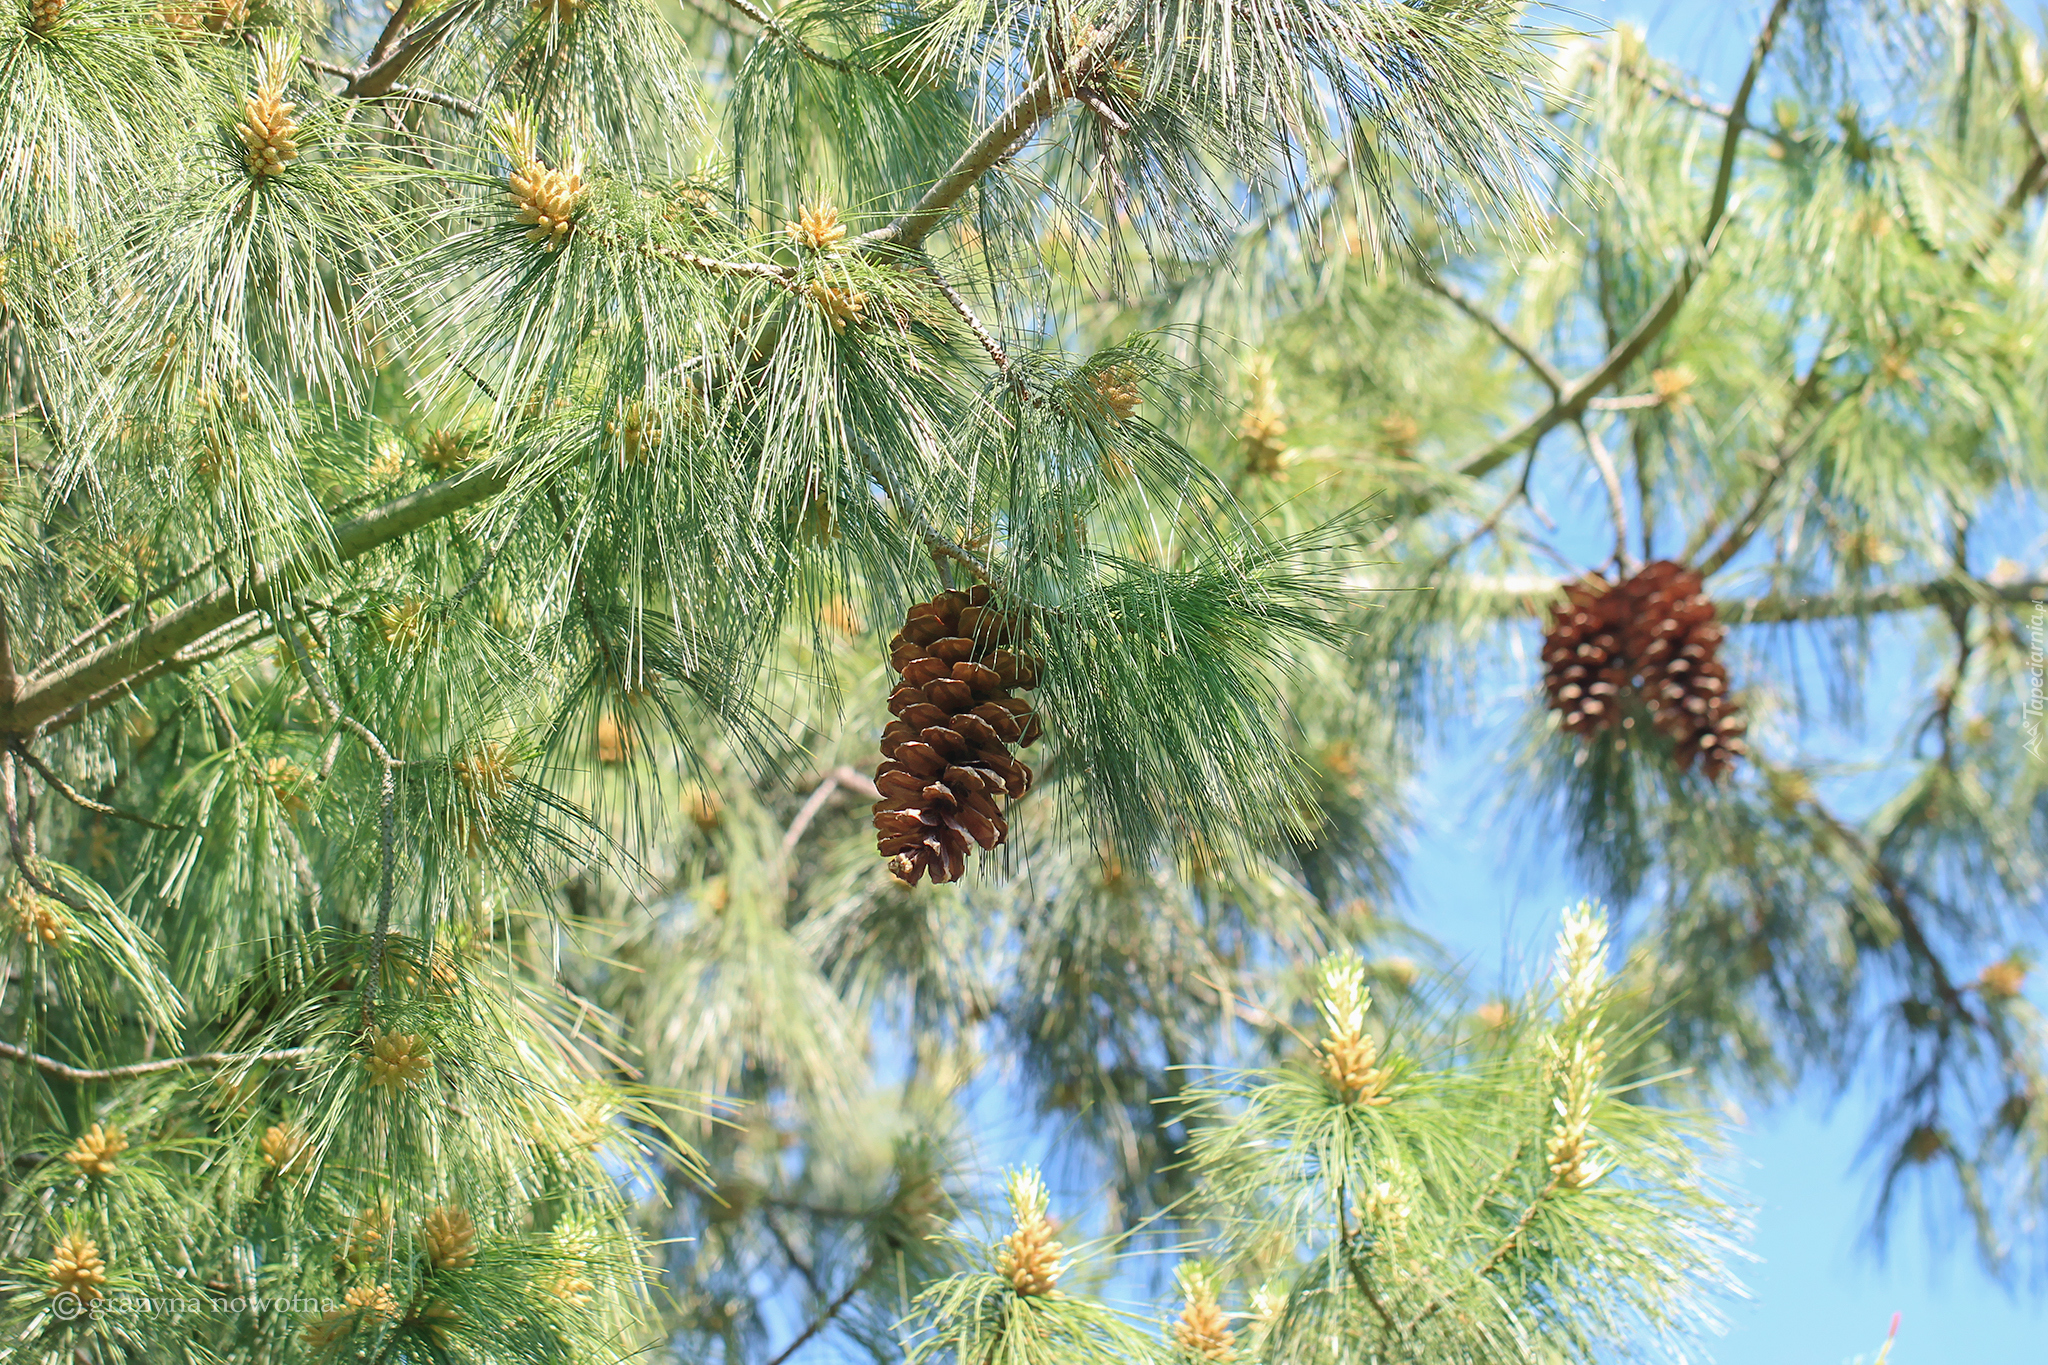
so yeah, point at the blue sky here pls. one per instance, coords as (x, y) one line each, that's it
(1820, 1294)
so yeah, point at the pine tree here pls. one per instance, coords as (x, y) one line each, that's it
(468, 464)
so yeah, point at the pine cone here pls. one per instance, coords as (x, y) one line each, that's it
(95, 1152)
(76, 1267)
(546, 199)
(1346, 1061)
(396, 1060)
(1029, 1257)
(45, 15)
(446, 450)
(449, 1235)
(638, 432)
(1656, 634)
(368, 1233)
(1675, 644)
(269, 133)
(439, 1318)
(1116, 392)
(840, 306)
(1585, 671)
(817, 228)
(946, 756)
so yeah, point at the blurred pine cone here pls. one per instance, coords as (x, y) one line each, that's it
(946, 756)
(1655, 633)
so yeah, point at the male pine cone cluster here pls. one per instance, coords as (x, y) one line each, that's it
(946, 755)
(1654, 633)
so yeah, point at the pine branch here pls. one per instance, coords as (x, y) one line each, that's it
(1579, 393)
(1357, 1271)
(387, 810)
(81, 1075)
(399, 47)
(839, 777)
(152, 646)
(1492, 1263)
(786, 38)
(940, 548)
(1531, 594)
(1039, 101)
(10, 681)
(1617, 506)
(988, 342)
(1786, 144)
(823, 1320)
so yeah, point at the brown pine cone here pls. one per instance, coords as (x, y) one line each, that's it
(1585, 666)
(1654, 633)
(1675, 644)
(946, 755)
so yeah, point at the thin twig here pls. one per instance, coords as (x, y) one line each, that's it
(988, 342)
(839, 777)
(819, 1323)
(1492, 1263)
(1357, 1272)
(941, 549)
(1782, 460)
(1545, 371)
(790, 40)
(81, 1075)
(1664, 89)
(387, 810)
(80, 799)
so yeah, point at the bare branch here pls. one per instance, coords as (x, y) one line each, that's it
(1617, 506)
(81, 1075)
(824, 1319)
(839, 777)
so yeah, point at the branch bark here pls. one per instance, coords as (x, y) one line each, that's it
(45, 697)
(79, 1075)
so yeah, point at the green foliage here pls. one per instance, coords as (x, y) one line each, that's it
(467, 459)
